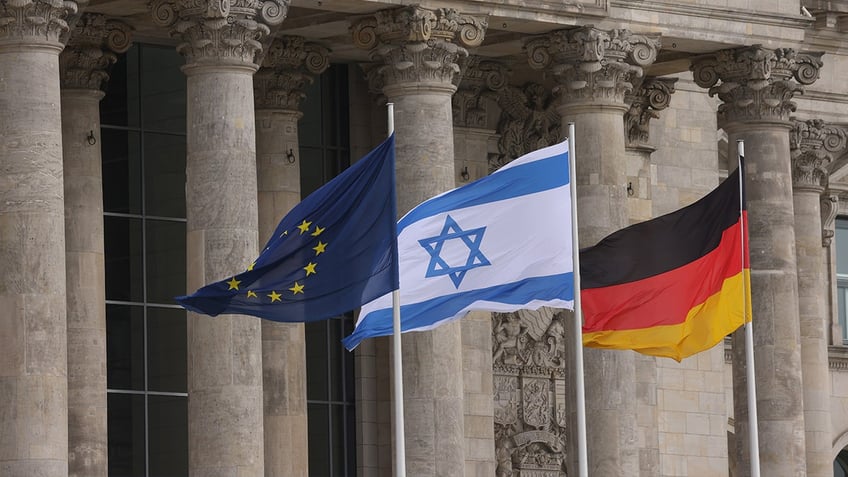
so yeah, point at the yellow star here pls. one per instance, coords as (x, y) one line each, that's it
(304, 226)
(233, 284)
(318, 231)
(310, 269)
(250, 268)
(320, 248)
(297, 288)
(274, 296)
(251, 294)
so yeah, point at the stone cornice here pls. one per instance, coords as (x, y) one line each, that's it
(759, 17)
(591, 64)
(477, 75)
(220, 32)
(653, 94)
(35, 21)
(417, 45)
(812, 144)
(756, 83)
(288, 66)
(91, 50)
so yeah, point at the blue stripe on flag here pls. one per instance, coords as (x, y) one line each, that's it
(524, 179)
(514, 295)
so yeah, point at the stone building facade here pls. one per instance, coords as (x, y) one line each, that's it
(150, 147)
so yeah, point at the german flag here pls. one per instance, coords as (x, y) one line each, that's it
(671, 286)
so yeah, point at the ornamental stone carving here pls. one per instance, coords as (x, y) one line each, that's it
(418, 45)
(220, 31)
(529, 121)
(477, 77)
(651, 95)
(288, 66)
(593, 65)
(812, 145)
(92, 48)
(756, 83)
(529, 393)
(829, 211)
(35, 21)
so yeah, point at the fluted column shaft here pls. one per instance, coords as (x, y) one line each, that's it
(91, 50)
(811, 143)
(595, 70)
(418, 65)
(221, 41)
(33, 327)
(287, 68)
(756, 90)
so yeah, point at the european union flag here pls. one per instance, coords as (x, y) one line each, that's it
(333, 252)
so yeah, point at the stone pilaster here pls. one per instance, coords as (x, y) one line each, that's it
(287, 68)
(419, 51)
(595, 70)
(756, 86)
(812, 144)
(221, 41)
(94, 43)
(33, 328)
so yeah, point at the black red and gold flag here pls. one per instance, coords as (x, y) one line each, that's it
(672, 286)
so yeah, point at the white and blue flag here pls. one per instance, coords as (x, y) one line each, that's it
(501, 243)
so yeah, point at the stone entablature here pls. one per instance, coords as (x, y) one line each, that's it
(756, 83)
(812, 144)
(220, 31)
(35, 21)
(92, 48)
(288, 66)
(417, 45)
(593, 65)
(651, 95)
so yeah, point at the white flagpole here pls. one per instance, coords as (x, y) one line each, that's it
(400, 436)
(582, 455)
(753, 432)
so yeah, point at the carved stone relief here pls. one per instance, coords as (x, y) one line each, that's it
(529, 393)
(288, 66)
(92, 47)
(478, 80)
(529, 121)
(651, 95)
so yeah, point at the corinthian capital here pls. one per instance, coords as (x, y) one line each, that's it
(35, 21)
(812, 145)
(418, 45)
(92, 48)
(756, 83)
(477, 79)
(220, 31)
(652, 95)
(591, 64)
(287, 68)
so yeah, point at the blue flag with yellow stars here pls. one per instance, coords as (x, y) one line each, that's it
(333, 252)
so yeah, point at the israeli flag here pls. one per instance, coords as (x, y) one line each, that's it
(501, 243)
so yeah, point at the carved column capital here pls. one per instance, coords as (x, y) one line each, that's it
(756, 83)
(35, 21)
(220, 32)
(593, 65)
(478, 77)
(418, 45)
(812, 144)
(288, 67)
(92, 48)
(651, 95)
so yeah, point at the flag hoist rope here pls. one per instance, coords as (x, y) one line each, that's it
(400, 436)
(582, 456)
(751, 385)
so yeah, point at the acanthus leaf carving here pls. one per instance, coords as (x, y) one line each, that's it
(529, 121)
(477, 80)
(288, 67)
(36, 20)
(812, 144)
(91, 50)
(651, 95)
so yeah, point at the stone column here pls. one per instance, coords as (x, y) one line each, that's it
(221, 40)
(595, 69)
(811, 144)
(756, 88)
(287, 67)
(33, 333)
(83, 66)
(471, 149)
(419, 50)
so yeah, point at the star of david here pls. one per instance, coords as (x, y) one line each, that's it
(451, 231)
